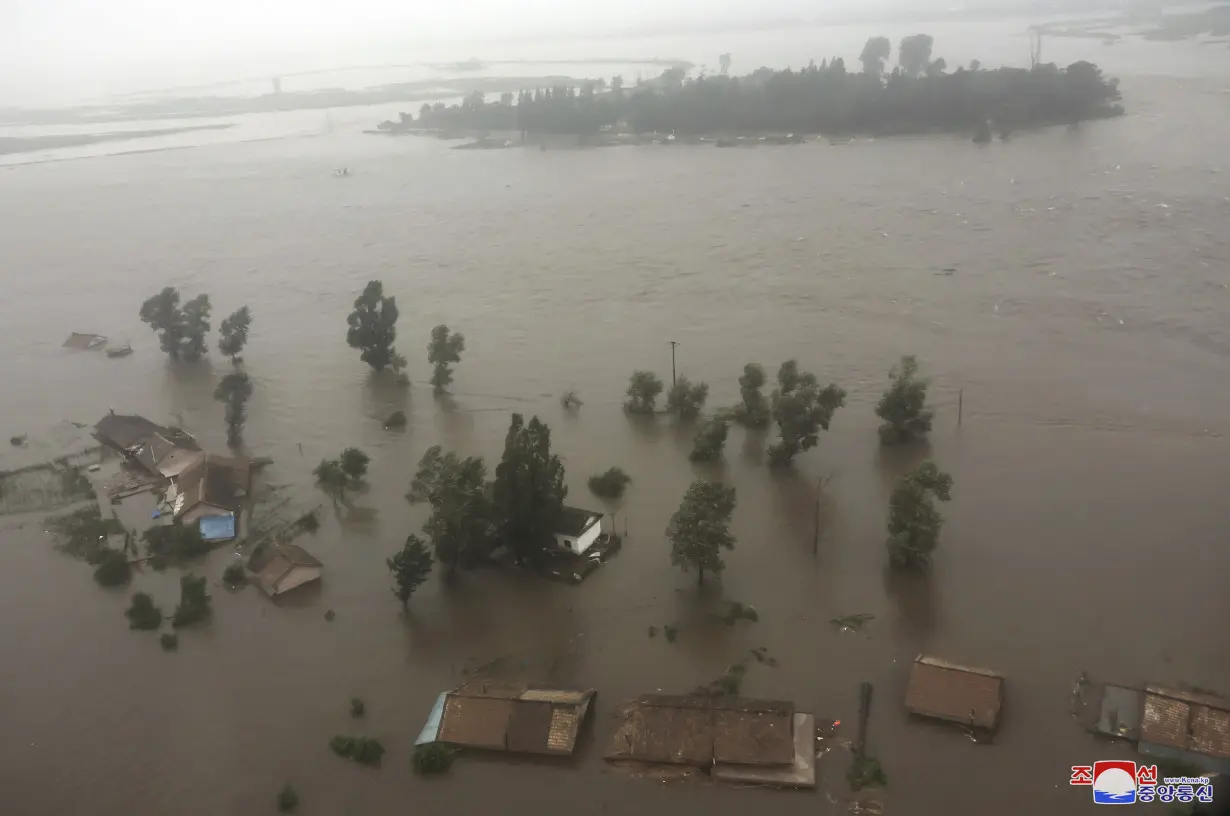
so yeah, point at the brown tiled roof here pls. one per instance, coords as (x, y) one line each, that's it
(699, 730)
(957, 693)
(216, 480)
(1188, 721)
(1165, 721)
(753, 738)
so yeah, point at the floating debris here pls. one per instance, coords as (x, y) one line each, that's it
(763, 657)
(852, 623)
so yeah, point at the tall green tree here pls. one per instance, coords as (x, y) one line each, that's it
(461, 526)
(903, 407)
(233, 333)
(196, 326)
(163, 314)
(373, 327)
(529, 489)
(410, 568)
(875, 53)
(710, 440)
(643, 390)
(700, 529)
(753, 411)
(444, 348)
(914, 54)
(685, 399)
(914, 522)
(234, 391)
(801, 408)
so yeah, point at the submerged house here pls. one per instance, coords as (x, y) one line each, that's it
(213, 486)
(578, 529)
(284, 567)
(159, 450)
(959, 694)
(512, 718)
(734, 739)
(1169, 724)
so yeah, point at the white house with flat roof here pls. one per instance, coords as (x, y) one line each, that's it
(578, 529)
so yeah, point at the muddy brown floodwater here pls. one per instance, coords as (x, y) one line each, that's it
(1087, 320)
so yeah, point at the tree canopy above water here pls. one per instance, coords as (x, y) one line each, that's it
(918, 96)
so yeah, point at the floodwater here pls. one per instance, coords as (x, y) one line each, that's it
(1087, 323)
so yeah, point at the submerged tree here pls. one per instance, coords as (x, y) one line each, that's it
(914, 522)
(233, 392)
(875, 53)
(113, 570)
(643, 390)
(193, 602)
(444, 348)
(700, 529)
(354, 464)
(461, 526)
(162, 313)
(801, 408)
(609, 484)
(373, 327)
(196, 326)
(529, 489)
(710, 440)
(410, 568)
(904, 405)
(685, 399)
(753, 411)
(331, 478)
(233, 333)
(143, 613)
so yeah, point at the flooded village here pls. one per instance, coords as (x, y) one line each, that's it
(840, 476)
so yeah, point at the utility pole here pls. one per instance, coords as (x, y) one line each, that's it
(960, 405)
(673, 344)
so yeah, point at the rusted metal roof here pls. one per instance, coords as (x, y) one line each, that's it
(699, 730)
(508, 717)
(956, 693)
(478, 722)
(753, 738)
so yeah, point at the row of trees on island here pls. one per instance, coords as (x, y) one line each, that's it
(920, 94)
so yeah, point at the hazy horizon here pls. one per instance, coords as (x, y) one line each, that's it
(59, 50)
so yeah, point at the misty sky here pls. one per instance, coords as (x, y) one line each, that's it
(97, 46)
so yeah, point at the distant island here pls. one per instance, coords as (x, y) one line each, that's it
(920, 95)
(27, 144)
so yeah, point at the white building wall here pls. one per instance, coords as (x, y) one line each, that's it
(588, 537)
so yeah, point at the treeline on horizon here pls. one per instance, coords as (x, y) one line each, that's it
(920, 94)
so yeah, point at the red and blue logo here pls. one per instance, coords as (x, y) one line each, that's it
(1115, 782)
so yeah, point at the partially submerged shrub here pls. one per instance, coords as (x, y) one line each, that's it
(432, 758)
(235, 574)
(175, 542)
(611, 484)
(357, 708)
(288, 800)
(363, 750)
(113, 570)
(193, 602)
(169, 641)
(143, 613)
(865, 772)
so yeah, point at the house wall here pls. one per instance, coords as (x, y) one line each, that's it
(583, 542)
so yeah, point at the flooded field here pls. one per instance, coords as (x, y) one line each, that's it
(1087, 323)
